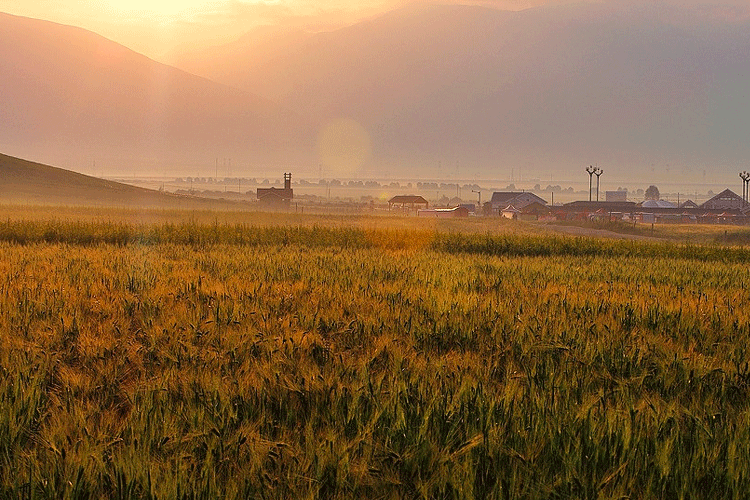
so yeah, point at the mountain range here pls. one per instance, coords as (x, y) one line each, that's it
(652, 92)
(73, 98)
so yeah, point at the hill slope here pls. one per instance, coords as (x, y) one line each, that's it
(652, 90)
(34, 183)
(74, 98)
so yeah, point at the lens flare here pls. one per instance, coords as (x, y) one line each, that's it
(344, 146)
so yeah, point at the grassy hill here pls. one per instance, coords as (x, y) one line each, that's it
(27, 182)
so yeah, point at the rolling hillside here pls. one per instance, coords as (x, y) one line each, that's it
(27, 182)
(73, 98)
(648, 89)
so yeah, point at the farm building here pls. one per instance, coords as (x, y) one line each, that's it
(581, 210)
(276, 197)
(717, 210)
(658, 204)
(518, 199)
(510, 212)
(726, 200)
(688, 204)
(444, 212)
(407, 202)
(536, 212)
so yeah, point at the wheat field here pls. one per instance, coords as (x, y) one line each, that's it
(219, 359)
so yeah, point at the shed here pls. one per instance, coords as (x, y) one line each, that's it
(409, 201)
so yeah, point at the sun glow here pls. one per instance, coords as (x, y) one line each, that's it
(158, 27)
(163, 11)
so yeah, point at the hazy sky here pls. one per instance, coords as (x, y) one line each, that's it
(156, 27)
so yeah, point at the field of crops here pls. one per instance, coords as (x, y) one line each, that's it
(200, 359)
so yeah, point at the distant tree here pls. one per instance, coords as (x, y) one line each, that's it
(652, 193)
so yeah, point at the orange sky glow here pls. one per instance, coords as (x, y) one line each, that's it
(155, 27)
(158, 28)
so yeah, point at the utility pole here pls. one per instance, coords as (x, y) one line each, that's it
(745, 176)
(479, 192)
(591, 170)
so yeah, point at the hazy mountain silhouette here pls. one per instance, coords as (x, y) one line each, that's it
(71, 97)
(640, 89)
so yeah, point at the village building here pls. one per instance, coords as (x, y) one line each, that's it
(658, 204)
(537, 212)
(585, 210)
(408, 202)
(510, 212)
(726, 200)
(688, 204)
(518, 199)
(276, 197)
